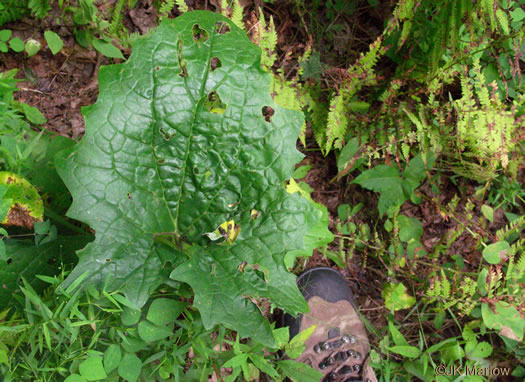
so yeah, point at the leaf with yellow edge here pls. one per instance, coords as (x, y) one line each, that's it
(396, 297)
(25, 204)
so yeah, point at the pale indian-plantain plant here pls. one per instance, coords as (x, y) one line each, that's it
(194, 102)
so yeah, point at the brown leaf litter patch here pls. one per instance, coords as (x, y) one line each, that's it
(60, 85)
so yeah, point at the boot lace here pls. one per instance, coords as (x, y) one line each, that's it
(342, 361)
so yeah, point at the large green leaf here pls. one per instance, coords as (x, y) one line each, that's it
(185, 136)
(388, 182)
(25, 260)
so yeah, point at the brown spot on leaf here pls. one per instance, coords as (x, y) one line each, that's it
(507, 332)
(215, 63)
(267, 113)
(19, 216)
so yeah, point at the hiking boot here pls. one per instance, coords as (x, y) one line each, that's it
(339, 346)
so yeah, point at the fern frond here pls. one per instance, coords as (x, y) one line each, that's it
(488, 8)
(405, 10)
(366, 62)
(115, 20)
(453, 24)
(360, 74)
(513, 227)
(434, 290)
(485, 129)
(224, 8)
(482, 89)
(494, 278)
(267, 41)
(468, 289)
(503, 21)
(407, 27)
(319, 115)
(237, 14)
(290, 96)
(445, 286)
(437, 48)
(165, 8)
(337, 123)
(181, 6)
(303, 59)
(130, 38)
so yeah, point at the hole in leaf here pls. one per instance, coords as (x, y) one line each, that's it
(183, 70)
(215, 63)
(242, 266)
(213, 103)
(9, 261)
(182, 61)
(259, 273)
(222, 28)
(229, 230)
(267, 113)
(199, 34)
(254, 214)
(165, 135)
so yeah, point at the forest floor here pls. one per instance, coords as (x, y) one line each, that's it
(60, 85)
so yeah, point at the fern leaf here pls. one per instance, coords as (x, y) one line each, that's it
(115, 20)
(407, 27)
(438, 42)
(445, 286)
(224, 7)
(166, 8)
(453, 25)
(237, 14)
(337, 124)
(406, 9)
(267, 41)
(503, 21)
(488, 8)
(181, 6)
(319, 115)
(520, 264)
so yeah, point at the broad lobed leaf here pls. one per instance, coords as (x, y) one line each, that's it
(185, 136)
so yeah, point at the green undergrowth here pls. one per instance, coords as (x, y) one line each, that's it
(434, 107)
(91, 335)
(159, 245)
